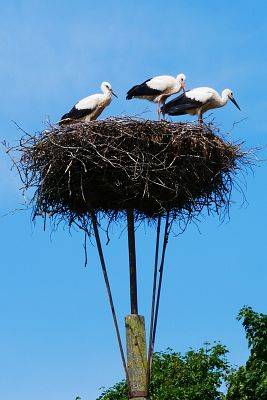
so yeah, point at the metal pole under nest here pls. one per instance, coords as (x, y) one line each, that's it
(135, 327)
(132, 262)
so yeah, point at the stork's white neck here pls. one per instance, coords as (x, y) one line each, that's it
(224, 97)
(106, 91)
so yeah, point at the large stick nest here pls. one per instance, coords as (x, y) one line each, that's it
(120, 163)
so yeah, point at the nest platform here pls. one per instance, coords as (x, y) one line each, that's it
(121, 164)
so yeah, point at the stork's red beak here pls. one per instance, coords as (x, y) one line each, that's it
(183, 86)
(114, 94)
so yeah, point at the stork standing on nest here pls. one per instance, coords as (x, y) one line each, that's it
(89, 108)
(197, 101)
(157, 89)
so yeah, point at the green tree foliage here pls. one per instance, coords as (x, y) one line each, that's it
(197, 375)
(249, 382)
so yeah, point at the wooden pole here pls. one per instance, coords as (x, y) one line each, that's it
(135, 327)
(136, 356)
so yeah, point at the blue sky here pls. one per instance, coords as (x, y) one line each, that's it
(56, 336)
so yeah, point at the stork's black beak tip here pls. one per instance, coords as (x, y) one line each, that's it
(235, 103)
(114, 94)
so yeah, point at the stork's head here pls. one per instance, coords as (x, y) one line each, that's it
(107, 89)
(228, 94)
(181, 80)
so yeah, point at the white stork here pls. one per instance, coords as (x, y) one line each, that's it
(157, 89)
(198, 101)
(89, 108)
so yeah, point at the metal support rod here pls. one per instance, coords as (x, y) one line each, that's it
(132, 262)
(106, 279)
(165, 242)
(154, 291)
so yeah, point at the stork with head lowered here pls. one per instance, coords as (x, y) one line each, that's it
(198, 101)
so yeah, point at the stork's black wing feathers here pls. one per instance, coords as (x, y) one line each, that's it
(74, 113)
(180, 105)
(142, 90)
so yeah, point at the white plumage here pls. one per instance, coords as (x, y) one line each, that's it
(90, 102)
(165, 83)
(157, 89)
(198, 101)
(89, 108)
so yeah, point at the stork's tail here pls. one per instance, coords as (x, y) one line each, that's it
(131, 93)
(175, 109)
(65, 119)
(163, 109)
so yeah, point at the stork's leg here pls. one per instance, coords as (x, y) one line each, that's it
(200, 118)
(160, 104)
(159, 112)
(163, 114)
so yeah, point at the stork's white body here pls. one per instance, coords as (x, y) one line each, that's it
(198, 101)
(89, 108)
(165, 84)
(96, 103)
(207, 97)
(157, 89)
